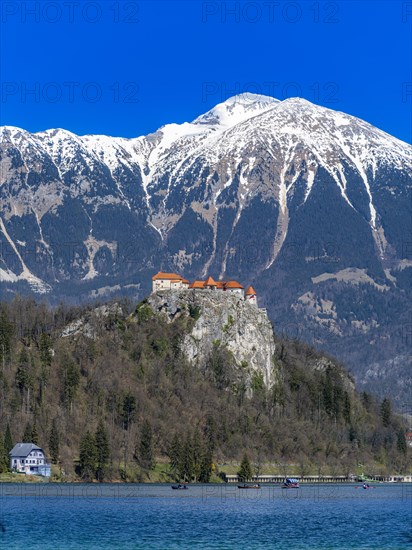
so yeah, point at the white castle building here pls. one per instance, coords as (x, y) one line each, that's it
(173, 281)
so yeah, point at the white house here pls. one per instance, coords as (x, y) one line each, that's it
(233, 287)
(168, 281)
(27, 458)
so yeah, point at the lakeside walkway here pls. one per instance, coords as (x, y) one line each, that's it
(277, 478)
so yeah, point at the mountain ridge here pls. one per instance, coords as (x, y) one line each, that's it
(284, 194)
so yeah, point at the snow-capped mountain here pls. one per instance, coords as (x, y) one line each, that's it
(311, 205)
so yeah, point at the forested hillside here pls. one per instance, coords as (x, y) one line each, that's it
(108, 393)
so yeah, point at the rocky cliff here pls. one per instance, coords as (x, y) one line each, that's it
(223, 320)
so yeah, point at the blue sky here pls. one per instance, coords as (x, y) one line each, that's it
(125, 68)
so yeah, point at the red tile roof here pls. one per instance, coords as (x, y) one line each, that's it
(168, 276)
(210, 282)
(233, 284)
(197, 284)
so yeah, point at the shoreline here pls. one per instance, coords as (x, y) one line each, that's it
(37, 480)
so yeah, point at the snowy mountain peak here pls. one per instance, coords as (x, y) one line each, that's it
(237, 109)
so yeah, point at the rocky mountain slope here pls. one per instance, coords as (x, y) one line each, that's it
(311, 205)
(223, 320)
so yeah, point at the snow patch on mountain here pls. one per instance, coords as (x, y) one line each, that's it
(236, 109)
(37, 284)
(349, 275)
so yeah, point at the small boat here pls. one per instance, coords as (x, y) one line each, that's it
(365, 486)
(364, 479)
(180, 486)
(249, 486)
(291, 483)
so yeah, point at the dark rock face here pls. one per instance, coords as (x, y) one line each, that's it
(311, 206)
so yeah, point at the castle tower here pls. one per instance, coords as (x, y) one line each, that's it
(210, 283)
(250, 295)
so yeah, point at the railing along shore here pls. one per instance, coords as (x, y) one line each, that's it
(276, 478)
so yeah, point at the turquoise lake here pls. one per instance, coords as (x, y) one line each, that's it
(74, 516)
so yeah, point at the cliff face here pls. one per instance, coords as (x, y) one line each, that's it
(222, 319)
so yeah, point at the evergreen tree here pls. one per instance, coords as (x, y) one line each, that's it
(245, 471)
(332, 393)
(102, 451)
(27, 435)
(347, 408)
(353, 433)
(45, 360)
(401, 443)
(8, 440)
(175, 450)
(386, 412)
(197, 452)
(145, 452)
(6, 333)
(45, 348)
(206, 465)
(34, 434)
(128, 410)
(71, 380)
(210, 431)
(366, 400)
(54, 443)
(23, 378)
(4, 458)
(185, 466)
(87, 458)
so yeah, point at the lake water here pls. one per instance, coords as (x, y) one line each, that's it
(74, 516)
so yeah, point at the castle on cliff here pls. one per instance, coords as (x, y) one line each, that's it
(173, 281)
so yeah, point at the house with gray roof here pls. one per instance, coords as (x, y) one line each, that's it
(28, 458)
